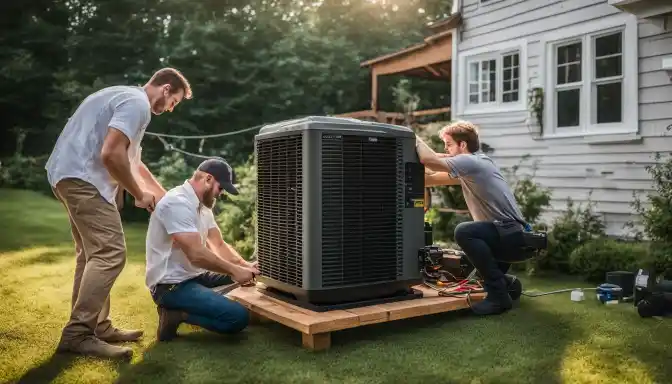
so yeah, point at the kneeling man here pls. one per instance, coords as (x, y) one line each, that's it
(186, 256)
(495, 238)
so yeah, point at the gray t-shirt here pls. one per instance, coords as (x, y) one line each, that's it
(486, 192)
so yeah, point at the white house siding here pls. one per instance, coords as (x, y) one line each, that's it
(611, 166)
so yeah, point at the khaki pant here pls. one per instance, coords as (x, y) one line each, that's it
(100, 247)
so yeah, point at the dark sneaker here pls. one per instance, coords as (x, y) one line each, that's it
(93, 346)
(169, 322)
(497, 300)
(514, 286)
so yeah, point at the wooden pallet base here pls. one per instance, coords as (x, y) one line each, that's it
(316, 327)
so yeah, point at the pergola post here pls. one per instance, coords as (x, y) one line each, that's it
(374, 91)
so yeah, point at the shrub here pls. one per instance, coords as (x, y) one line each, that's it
(236, 215)
(656, 215)
(594, 258)
(25, 172)
(172, 170)
(569, 231)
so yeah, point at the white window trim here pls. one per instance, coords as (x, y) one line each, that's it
(487, 3)
(493, 50)
(585, 32)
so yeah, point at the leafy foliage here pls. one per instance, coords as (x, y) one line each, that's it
(237, 214)
(576, 226)
(594, 258)
(656, 214)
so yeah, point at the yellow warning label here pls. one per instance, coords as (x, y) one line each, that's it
(419, 203)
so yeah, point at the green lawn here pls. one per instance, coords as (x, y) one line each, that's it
(545, 340)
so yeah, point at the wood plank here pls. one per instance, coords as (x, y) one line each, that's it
(308, 321)
(370, 315)
(293, 316)
(438, 52)
(316, 342)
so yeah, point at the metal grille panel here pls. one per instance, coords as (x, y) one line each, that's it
(280, 209)
(362, 206)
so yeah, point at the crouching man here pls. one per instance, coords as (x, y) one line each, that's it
(181, 270)
(495, 237)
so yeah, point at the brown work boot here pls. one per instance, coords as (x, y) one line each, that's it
(115, 335)
(93, 346)
(169, 322)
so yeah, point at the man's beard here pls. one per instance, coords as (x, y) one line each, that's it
(209, 198)
(159, 105)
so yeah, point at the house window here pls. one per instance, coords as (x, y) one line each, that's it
(591, 79)
(494, 79)
(568, 84)
(510, 78)
(482, 81)
(608, 82)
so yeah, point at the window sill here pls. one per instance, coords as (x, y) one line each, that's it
(594, 138)
(490, 110)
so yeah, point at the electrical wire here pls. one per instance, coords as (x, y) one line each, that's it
(558, 291)
(198, 137)
(169, 147)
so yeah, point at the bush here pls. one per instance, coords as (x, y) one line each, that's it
(594, 258)
(25, 172)
(656, 215)
(568, 232)
(236, 215)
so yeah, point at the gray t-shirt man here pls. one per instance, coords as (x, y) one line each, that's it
(486, 192)
(77, 151)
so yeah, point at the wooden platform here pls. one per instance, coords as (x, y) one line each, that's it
(316, 327)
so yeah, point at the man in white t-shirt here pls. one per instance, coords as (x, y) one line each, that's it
(187, 257)
(98, 153)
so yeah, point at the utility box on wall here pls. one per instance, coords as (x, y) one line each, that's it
(667, 65)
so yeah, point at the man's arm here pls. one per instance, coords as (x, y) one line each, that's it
(224, 250)
(151, 182)
(179, 219)
(430, 159)
(202, 257)
(114, 156)
(440, 178)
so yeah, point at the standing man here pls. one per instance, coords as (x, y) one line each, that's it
(98, 153)
(494, 239)
(187, 257)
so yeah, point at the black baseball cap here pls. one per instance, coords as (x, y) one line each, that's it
(222, 172)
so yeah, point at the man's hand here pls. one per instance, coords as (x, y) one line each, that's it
(242, 275)
(146, 201)
(252, 267)
(429, 158)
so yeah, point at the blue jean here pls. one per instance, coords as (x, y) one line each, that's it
(484, 248)
(204, 307)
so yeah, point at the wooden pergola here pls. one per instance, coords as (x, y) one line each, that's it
(431, 59)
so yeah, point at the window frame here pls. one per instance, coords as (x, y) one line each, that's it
(587, 33)
(495, 52)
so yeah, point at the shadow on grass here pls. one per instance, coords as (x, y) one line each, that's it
(48, 371)
(524, 346)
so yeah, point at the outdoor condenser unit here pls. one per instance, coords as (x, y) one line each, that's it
(339, 209)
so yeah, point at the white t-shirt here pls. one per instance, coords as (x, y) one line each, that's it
(77, 150)
(177, 212)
